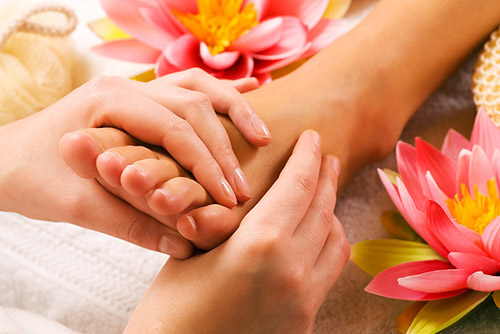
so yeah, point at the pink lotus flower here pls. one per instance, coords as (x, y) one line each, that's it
(229, 39)
(433, 194)
(450, 199)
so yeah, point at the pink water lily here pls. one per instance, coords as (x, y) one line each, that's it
(450, 198)
(229, 39)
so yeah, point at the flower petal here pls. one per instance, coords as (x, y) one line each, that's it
(386, 283)
(439, 314)
(442, 168)
(184, 52)
(163, 67)
(473, 262)
(453, 144)
(126, 14)
(128, 50)
(260, 6)
(374, 256)
(406, 157)
(437, 280)
(263, 78)
(447, 232)
(220, 61)
(480, 171)
(292, 42)
(264, 66)
(418, 221)
(323, 34)
(485, 133)
(107, 30)
(482, 282)
(435, 194)
(491, 239)
(184, 6)
(308, 11)
(495, 163)
(261, 37)
(391, 189)
(241, 69)
(463, 167)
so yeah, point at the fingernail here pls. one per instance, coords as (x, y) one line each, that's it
(259, 127)
(192, 222)
(316, 138)
(138, 169)
(336, 165)
(110, 156)
(173, 246)
(241, 183)
(228, 192)
(165, 193)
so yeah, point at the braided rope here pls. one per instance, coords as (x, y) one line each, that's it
(22, 23)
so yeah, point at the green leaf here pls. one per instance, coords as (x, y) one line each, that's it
(374, 256)
(406, 317)
(496, 298)
(107, 30)
(397, 227)
(145, 76)
(437, 315)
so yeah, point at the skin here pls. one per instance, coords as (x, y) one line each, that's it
(36, 182)
(265, 263)
(359, 102)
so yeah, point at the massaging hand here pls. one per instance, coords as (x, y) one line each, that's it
(36, 182)
(272, 274)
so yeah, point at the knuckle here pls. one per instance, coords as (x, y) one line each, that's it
(193, 73)
(293, 278)
(205, 165)
(200, 101)
(325, 216)
(264, 246)
(305, 183)
(178, 125)
(133, 231)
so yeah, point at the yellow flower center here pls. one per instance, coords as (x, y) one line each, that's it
(219, 22)
(475, 212)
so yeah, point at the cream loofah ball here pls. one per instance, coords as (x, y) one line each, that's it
(486, 78)
(35, 71)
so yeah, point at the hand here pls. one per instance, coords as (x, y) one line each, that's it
(176, 113)
(272, 274)
(36, 182)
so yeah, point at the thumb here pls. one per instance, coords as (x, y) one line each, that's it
(106, 213)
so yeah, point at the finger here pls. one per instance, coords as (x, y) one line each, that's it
(80, 149)
(143, 176)
(121, 220)
(225, 99)
(332, 259)
(311, 233)
(244, 84)
(196, 109)
(285, 204)
(209, 226)
(178, 195)
(160, 127)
